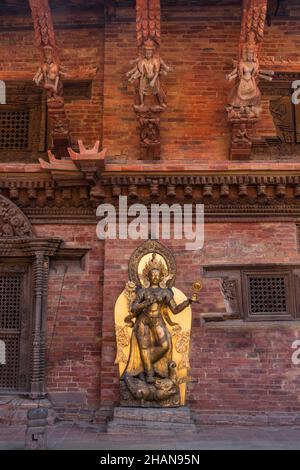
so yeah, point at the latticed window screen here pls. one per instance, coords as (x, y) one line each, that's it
(10, 370)
(10, 322)
(10, 297)
(267, 295)
(14, 129)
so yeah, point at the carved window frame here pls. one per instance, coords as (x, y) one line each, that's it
(235, 290)
(21, 265)
(24, 96)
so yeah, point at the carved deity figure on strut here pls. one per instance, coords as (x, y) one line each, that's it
(147, 70)
(152, 345)
(49, 75)
(244, 99)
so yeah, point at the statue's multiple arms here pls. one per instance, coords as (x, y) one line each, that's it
(138, 305)
(38, 76)
(178, 308)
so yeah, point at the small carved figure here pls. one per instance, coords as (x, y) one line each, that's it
(149, 132)
(147, 70)
(245, 96)
(49, 75)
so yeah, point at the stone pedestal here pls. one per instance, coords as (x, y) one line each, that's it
(161, 421)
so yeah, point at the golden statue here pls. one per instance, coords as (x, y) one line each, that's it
(152, 345)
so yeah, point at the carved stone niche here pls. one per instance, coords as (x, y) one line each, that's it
(24, 268)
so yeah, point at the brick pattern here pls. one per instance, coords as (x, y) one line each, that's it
(236, 369)
(74, 323)
(81, 50)
(232, 365)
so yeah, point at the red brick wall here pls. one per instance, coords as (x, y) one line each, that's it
(238, 368)
(80, 49)
(198, 49)
(74, 323)
(198, 42)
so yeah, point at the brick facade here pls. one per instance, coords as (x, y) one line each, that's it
(241, 372)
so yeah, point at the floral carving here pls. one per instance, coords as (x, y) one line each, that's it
(13, 222)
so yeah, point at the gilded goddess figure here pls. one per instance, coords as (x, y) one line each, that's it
(152, 345)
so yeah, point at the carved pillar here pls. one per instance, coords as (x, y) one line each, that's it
(49, 75)
(150, 99)
(244, 100)
(41, 250)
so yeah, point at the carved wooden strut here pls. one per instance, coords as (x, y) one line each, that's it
(146, 72)
(49, 75)
(244, 100)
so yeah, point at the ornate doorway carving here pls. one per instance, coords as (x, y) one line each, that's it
(24, 268)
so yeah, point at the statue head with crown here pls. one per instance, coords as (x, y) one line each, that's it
(155, 273)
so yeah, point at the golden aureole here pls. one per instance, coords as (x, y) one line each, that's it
(153, 326)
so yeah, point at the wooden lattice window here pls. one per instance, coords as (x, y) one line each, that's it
(10, 370)
(10, 301)
(14, 129)
(14, 324)
(268, 295)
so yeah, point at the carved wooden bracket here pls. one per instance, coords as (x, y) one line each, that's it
(244, 100)
(49, 75)
(147, 69)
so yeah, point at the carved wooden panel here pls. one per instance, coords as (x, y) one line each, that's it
(258, 292)
(15, 326)
(22, 123)
(10, 301)
(14, 129)
(268, 295)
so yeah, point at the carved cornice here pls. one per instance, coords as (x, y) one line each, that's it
(72, 201)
